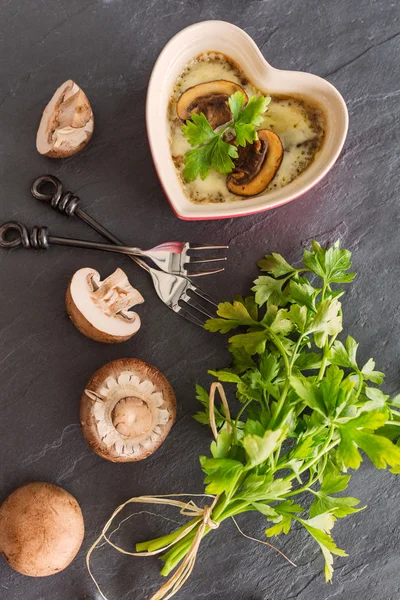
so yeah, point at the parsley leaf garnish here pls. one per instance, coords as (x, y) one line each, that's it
(246, 119)
(210, 150)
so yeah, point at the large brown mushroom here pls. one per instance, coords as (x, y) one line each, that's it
(127, 410)
(41, 529)
(67, 122)
(101, 309)
(210, 98)
(256, 165)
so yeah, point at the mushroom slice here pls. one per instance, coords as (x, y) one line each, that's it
(210, 98)
(67, 122)
(129, 420)
(101, 309)
(256, 165)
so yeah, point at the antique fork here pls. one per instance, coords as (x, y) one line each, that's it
(177, 292)
(171, 257)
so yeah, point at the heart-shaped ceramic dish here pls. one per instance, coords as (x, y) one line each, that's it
(232, 41)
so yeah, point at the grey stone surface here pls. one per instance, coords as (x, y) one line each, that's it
(109, 48)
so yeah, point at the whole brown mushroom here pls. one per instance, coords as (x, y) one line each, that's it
(41, 529)
(127, 410)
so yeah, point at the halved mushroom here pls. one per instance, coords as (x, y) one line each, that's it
(256, 165)
(127, 410)
(101, 309)
(67, 122)
(210, 98)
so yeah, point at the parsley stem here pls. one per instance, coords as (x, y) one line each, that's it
(328, 445)
(241, 411)
(275, 339)
(235, 508)
(295, 352)
(324, 449)
(303, 488)
(360, 384)
(323, 363)
(164, 540)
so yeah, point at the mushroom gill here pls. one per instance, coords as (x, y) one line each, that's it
(127, 410)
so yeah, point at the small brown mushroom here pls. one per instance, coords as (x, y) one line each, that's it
(67, 122)
(101, 309)
(41, 529)
(210, 98)
(127, 410)
(256, 165)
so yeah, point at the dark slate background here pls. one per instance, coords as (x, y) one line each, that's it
(109, 48)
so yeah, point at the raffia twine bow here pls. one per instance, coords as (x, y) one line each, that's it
(201, 516)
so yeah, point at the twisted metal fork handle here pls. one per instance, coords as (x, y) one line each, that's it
(68, 204)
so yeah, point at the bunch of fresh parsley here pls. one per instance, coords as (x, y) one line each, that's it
(211, 149)
(309, 411)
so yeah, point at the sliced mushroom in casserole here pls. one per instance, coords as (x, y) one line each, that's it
(210, 98)
(256, 165)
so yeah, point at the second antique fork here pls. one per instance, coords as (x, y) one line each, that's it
(177, 292)
(172, 257)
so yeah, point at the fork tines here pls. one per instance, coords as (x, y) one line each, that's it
(193, 259)
(198, 306)
(193, 246)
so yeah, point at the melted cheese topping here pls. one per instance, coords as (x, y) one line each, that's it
(299, 125)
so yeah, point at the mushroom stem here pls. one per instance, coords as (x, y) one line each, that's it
(115, 295)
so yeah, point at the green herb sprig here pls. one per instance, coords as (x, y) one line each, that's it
(309, 411)
(211, 150)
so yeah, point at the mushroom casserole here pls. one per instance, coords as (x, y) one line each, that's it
(205, 85)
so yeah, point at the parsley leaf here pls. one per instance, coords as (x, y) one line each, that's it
(221, 473)
(330, 264)
(328, 321)
(270, 290)
(221, 158)
(358, 433)
(253, 342)
(258, 449)
(220, 448)
(370, 374)
(344, 356)
(232, 316)
(302, 293)
(210, 150)
(236, 102)
(261, 488)
(248, 118)
(276, 265)
(319, 528)
(287, 512)
(198, 130)
(216, 153)
(333, 482)
(204, 416)
(198, 162)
